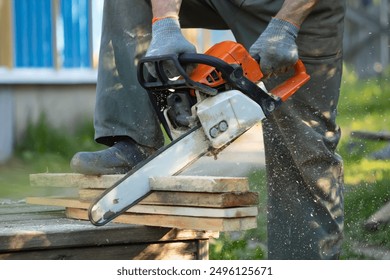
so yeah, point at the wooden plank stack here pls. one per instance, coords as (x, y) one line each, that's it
(183, 202)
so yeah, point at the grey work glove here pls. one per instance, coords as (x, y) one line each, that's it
(276, 47)
(168, 39)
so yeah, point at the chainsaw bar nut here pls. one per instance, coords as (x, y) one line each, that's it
(219, 128)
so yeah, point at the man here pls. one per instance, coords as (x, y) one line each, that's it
(304, 174)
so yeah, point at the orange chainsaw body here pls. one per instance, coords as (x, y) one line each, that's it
(234, 53)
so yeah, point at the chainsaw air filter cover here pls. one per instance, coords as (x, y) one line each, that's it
(232, 53)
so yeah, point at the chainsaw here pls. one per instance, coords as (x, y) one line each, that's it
(202, 113)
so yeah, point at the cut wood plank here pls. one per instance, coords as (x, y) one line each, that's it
(73, 180)
(57, 201)
(199, 184)
(233, 212)
(89, 195)
(170, 183)
(211, 200)
(183, 222)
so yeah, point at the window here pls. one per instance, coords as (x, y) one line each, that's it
(62, 34)
(33, 33)
(49, 33)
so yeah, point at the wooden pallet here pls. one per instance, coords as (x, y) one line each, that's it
(184, 202)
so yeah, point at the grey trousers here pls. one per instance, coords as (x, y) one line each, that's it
(304, 173)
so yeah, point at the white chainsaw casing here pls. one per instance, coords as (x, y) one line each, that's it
(227, 115)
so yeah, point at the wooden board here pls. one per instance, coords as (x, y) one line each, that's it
(170, 183)
(73, 180)
(210, 200)
(233, 212)
(195, 223)
(199, 184)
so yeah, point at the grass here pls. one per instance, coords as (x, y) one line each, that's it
(364, 105)
(43, 149)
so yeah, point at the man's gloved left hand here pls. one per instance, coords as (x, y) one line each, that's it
(276, 47)
(168, 39)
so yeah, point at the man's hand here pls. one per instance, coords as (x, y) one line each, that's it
(168, 39)
(276, 47)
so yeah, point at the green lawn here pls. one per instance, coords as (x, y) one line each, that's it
(43, 149)
(364, 105)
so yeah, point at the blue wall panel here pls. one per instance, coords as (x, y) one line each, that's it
(77, 42)
(34, 33)
(33, 27)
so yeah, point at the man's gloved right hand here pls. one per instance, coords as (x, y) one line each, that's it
(168, 39)
(276, 47)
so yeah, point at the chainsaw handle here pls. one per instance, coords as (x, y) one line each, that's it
(234, 75)
(292, 84)
(162, 81)
(196, 58)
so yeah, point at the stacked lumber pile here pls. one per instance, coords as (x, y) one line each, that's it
(184, 202)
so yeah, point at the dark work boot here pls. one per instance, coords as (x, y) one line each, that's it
(118, 159)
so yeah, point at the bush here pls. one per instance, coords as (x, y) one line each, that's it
(41, 138)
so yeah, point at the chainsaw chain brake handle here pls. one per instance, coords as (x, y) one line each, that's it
(233, 74)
